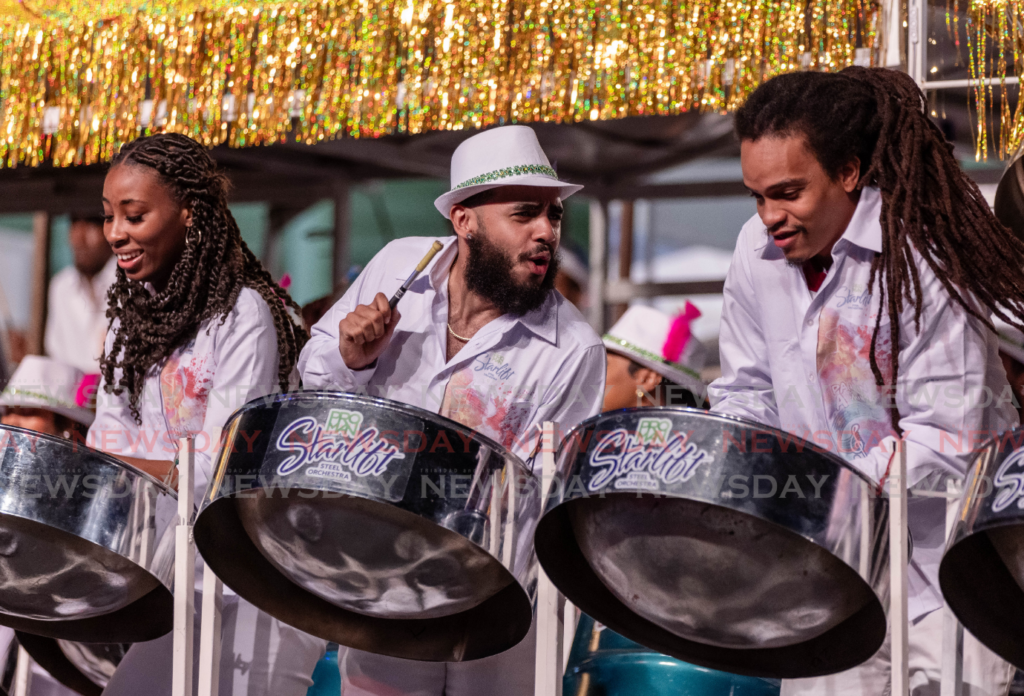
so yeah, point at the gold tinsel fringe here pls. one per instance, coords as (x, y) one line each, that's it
(995, 46)
(74, 92)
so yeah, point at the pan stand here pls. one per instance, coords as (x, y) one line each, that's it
(556, 617)
(22, 674)
(898, 615)
(952, 629)
(184, 572)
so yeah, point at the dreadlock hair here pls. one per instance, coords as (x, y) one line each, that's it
(205, 282)
(928, 204)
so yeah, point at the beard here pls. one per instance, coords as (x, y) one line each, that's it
(489, 275)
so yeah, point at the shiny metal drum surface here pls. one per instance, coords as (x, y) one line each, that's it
(375, 525)
(82, 667)
(720, 542)
(86, 542)
(982, 570)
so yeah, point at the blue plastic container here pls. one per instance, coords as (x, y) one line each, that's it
(326, 678)
(603, 663)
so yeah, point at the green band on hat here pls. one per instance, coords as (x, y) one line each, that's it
(15, 391)
(651, 356)
(505, 173)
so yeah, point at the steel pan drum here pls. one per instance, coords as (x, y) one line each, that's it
(82, 667)
(374, 525)
(86, 543)
(982, 571)
(719, 542)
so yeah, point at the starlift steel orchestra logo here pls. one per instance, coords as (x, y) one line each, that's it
(340, 450)
(648, 459)
(1009, 482)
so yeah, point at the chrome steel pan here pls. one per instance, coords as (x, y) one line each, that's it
(982, 571)
(373, 524)
(719, 542)
(82, 667)
(86, 543)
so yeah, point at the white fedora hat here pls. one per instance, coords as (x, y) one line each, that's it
(661, 343)
(52, 385)
(505, 156)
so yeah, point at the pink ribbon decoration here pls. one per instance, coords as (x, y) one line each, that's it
(86, 394)
(679, 333)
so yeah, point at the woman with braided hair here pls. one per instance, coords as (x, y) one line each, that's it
(858, 311)
(197, 328)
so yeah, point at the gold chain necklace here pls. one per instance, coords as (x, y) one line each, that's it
(452, 332)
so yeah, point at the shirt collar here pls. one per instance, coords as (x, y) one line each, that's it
(542, 321)
(864, 229)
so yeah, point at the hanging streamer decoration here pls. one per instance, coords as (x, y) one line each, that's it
(995, 50)
(80, 77)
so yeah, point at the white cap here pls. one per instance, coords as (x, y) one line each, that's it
(1011, 340)
(662, 343)
(52, 385)
(505, 156)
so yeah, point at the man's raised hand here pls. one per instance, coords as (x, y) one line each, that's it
(365, 332)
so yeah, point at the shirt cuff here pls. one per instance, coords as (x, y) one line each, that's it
(342, 375)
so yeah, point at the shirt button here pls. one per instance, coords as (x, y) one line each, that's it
(810, 322)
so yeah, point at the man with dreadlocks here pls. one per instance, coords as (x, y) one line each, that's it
(198, 328)
(857, 311)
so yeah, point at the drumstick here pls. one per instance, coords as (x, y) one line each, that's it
(434, 248)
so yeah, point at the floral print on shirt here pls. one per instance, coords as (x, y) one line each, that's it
(854, 404)
(478, 397)
(185, 381)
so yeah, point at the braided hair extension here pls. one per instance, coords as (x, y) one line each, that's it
(929, 206)
(205, 282)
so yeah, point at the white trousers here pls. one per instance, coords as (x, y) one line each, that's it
(260, 656)
(506, 674)
(985, 674)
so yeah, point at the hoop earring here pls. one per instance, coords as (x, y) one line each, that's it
(188, 235)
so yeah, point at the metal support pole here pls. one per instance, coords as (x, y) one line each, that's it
(184, 573)
(917, 40)
(898, 616)
(342, 259)
(598, 262)
(22, 674)
(210, 634)
(550, 629)
(952, 630)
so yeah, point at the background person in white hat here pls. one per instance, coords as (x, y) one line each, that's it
(482, 338)
(654, 360)
(48, 396)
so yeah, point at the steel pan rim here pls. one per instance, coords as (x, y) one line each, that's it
(312, 395)
(99, 454)
(761, 427)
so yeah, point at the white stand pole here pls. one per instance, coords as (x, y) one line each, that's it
(22, 674)
(898, 616)
(209, 636)
(549, 660)
(184, 573)
(952, 630)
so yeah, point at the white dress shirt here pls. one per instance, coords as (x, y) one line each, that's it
(76, 316)
(514, 374)
(798, 360)
(195, 390)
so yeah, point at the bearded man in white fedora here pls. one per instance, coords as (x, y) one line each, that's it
(480, 337)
